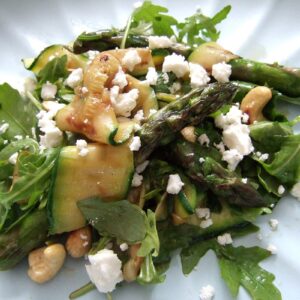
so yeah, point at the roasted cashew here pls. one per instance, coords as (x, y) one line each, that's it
(79, 242)
(189, 134)
(254, 102)
(45, 262)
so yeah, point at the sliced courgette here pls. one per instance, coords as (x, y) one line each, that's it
(106, 171)
(37, 64)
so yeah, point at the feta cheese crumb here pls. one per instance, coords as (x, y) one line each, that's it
(48, 91)
(296, 190)
(174, 184)
(202, 213)
(198, 75)
(82, 147)
(75, 78)
(13, 158)
(4, 127)
(142, 167)
(221, 72)
(139, 116)
(273, 224)
(137, 180)
(201, 160)
(220, 147)
(18, 137)
(152, 112)
(124, 247)
(224, 239)
(272, 249)
(281, 190)
(204, 139)
(120, 79)
(131, 59)
(264, 157)
(105, 270)
(84, 90)
(159, 42)
(176, 86)
(135, 144)
(206, 223)
(232, 157)
(152, 76)
(177, 64)
(244, 180)
(207, 292)
(124, 103)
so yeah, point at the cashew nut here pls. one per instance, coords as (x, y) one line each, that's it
(45, 262)
(254, 102)
(133, 265)
(79, 242)
(189, 134)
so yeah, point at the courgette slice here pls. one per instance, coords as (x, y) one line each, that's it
(37, 64)
(106, 171)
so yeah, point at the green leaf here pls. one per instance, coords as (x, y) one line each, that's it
(199, 28)
(54, 70)
(156, 16)
(151, 241)
(270, 183)
(121, 219)
(148, 273)
(18, 112)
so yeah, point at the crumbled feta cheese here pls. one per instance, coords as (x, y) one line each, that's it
(84, 90)
(159, 42)
(207, 293)
(273, 224)
(131, 59)
(245, 118)
(174, 184)
(142, 167)
(221, 71)
(48, 91)
(4, 127)
(204, 139)
(244, 180)
(165, 78)
(258, 154)
(82, 147)
(124, 247)
(232, 157)
(264, 157)
(152, 112)
(177, 64)
(52, 107)
(272, 249)
(120, 79)
(137, 180)
(18, 137)
(296, 190)
(13, 158)
(220, 147)
(281, 190)
(201, 160)
(139, 116)
(135, 144)
(206, 223)
(75, 78)
(198, 75)
(92, 54)
(202, 213)
(5, 142)
(29, 84)
(124, 103)
(224, 239)
(152, 76)
(176, 86)
(105, 270)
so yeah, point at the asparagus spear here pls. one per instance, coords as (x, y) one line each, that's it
(111, 38)
(211, 174)
(19, 241)
(192, 108)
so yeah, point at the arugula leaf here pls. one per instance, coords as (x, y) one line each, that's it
(121, 219)
(54, 70)
(18, 112)
(239, 266)
(148, 273)
(151, 241)
(199, 28)
(156, 16)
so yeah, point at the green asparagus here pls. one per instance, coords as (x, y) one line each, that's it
(161, 128)
(19, 241)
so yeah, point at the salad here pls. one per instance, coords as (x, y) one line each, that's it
(129, 144)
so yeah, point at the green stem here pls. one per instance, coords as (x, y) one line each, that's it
(34, 101)
(123, 43)
(101, 245)
(82, 291)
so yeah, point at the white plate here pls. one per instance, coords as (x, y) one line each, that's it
(266, 30)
